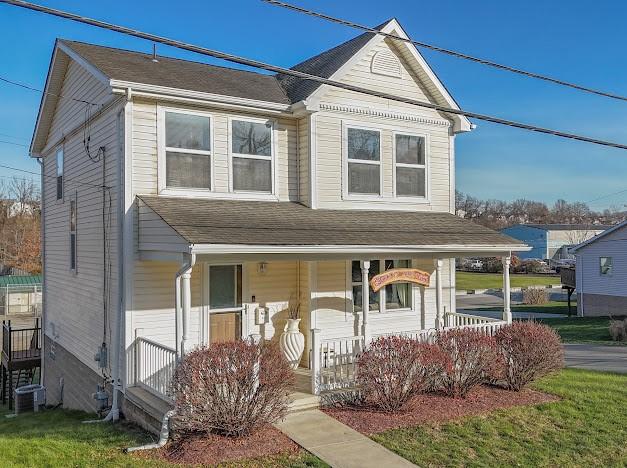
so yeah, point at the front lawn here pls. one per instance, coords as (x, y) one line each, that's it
(583, 330)
(58, 438)
(588, 427)
(466, 280)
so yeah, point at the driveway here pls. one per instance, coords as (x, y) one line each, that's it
(596, 357)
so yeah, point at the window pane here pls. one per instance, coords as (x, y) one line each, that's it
(252, 174)
(356, 271)
(73, 251)
(606, 265)
(251, 138)
(363, 144)
(410, 149)
(187, 131)
(398, 296)
(60, 163)
(72, 215)
(225, 286)
(188, 170)
(410, 181)
(363, 178)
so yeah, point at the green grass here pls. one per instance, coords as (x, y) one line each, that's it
(588, 427)
(582, 330)
(466, 280)
(58, 438)
(551, 307)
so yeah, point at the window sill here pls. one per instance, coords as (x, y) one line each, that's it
(251, 196)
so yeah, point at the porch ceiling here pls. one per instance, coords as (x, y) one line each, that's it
(210, 226)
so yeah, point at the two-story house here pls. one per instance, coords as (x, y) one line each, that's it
(186, 203)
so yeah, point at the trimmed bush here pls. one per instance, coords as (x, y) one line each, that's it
(468, 357)
(535, 296)
(527, 350)
(393, 369)
(618, 330)
(231, 388)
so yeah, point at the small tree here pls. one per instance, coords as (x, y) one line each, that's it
(469, 355)
(527, 351)
(231, 388)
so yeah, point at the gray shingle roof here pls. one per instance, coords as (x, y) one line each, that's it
(204, 221)
(138, 67)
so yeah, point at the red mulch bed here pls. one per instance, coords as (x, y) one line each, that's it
(213, 449)
(436, 408)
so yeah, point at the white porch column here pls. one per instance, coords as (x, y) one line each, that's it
(507, 311)
(439, 314)
(365, 300)
(315, 361)
(186, 300)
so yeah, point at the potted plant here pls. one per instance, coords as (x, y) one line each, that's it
(292, 341)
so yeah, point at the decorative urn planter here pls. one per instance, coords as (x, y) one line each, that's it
(292, 342)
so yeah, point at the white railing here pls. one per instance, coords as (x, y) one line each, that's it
(154, 366)
(334, 362)
(488, 325)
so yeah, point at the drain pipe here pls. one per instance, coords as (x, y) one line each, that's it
(163, 435)
(182, 306)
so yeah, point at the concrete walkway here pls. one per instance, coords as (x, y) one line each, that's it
(596, 357)
(335, 443)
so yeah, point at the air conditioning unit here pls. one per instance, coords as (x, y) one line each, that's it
(29, 398)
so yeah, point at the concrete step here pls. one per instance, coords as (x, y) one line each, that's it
(303, 401)
(145, 408)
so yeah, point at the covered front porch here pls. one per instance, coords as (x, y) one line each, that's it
(229, 270)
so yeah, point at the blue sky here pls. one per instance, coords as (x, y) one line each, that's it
(566, 39)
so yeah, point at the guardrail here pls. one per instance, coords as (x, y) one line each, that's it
(154, 366)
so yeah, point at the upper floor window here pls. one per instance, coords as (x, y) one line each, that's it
(363, 150)
(187, 150)
(59, 173)
(251, 155)
(605, 265)
(410, 165)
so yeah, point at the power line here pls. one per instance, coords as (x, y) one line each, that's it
(448, 51)
(13, 143)
(606, 196)
(307, 76)
(55, 177)
(14, 137)
(31, 88)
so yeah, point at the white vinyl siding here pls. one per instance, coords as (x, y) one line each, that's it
(73, 307)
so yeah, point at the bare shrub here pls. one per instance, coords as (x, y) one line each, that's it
(231, 388)
(393, 369)
(618, 330)
(527, 351)
(468, 357)
(535, 296)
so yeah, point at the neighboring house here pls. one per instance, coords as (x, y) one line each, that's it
(601, 273)
(228, 193)
(552, 241)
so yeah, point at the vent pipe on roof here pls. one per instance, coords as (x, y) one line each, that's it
(154, 53)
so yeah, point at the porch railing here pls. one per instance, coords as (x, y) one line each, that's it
(455, 319)
(154, 366)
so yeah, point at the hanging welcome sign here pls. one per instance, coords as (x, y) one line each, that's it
(399, 275)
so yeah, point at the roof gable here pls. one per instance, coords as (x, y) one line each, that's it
(615, 228)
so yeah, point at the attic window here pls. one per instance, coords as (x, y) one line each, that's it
(386, 63)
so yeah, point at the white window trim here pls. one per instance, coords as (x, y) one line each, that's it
(426, 166)
(161, 152)
(346, 195)
(271, 158)
(61, 150)
(382, 298)
(73, 198)
(611, 272)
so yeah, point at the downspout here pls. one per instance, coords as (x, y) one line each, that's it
(43, 277)
(182, 318)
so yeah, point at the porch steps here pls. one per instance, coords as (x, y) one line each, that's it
(303, 401)
(145, 409)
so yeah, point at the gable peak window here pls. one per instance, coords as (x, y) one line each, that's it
(59, 158)
(410, 165)
(251, 155)
(363, 151)
(188, 150)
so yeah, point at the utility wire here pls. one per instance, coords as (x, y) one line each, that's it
(453, 53)
(606, 196)
(307, 76)
(13, 143)
(86, 184)
(31, 88)
(13, 137)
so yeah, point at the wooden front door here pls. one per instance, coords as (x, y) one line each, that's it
(225, 326)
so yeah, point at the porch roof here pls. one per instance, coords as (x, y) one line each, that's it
(201, 221)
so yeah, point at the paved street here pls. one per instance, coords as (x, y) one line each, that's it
(596, 357)
(467, 302)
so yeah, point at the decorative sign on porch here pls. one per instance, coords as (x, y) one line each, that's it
(399, 275)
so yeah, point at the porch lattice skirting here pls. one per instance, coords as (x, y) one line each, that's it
(333, 360)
